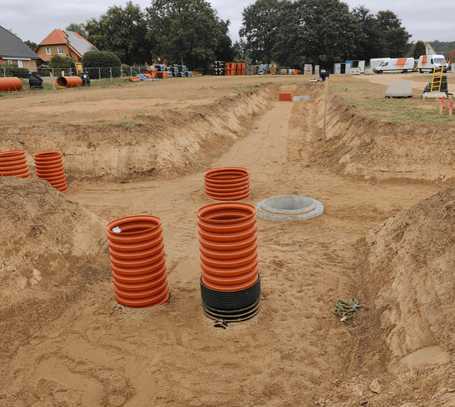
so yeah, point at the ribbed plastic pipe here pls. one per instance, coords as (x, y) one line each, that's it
(14, 164)
(227, 184)
(49, 166)
(10, 84)
(69, 81)
(138, 262)
(228, 246)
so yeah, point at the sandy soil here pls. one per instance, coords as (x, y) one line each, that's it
(295, 353)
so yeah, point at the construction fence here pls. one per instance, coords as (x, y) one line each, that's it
(93, 72)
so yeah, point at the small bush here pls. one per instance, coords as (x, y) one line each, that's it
(13, 70)
(61, 61)
(99, 64)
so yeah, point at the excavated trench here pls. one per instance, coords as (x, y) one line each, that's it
(304, 267)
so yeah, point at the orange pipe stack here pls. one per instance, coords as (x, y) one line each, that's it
(49, 166)
(14, 164)
(230, 283)
(138, 261)
(232, 68)
(227, 184)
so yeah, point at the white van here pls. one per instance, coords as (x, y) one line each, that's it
(396, 65)
(375, 62)
(428, 62)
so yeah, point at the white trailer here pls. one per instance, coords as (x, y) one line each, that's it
(396, 65)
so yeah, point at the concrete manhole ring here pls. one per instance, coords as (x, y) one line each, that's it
(288, 208)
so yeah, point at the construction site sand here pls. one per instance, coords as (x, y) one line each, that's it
(91, 352)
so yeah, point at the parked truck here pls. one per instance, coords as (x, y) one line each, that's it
(396, 65)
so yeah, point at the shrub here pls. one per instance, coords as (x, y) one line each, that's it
(13, 70)
(99, 64)
(61, 61)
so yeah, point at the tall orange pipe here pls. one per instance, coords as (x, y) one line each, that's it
(228, 246)
(138, 261)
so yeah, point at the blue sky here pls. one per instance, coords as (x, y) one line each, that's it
(32, 20)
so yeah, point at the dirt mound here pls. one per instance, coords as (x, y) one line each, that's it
(411, 284)
(155, 140)
(51, 249)
(360, 146)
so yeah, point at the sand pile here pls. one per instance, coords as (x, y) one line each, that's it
(411, 284)
(51, 249)
(360, 146)
(167, 141)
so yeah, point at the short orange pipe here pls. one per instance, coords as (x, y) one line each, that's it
(49, 166)
(14, 164)
(227, 184)
(10, 84)
(69, 81)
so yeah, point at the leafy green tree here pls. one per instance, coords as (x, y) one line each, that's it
(316, 31)
(261, 22)
(393, 36)
(122, 30)
(78, 28)
(368, 31)
(32, 45)
(419, 49)
(188, 31)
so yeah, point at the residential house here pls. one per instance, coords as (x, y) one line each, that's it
(64, 43)
(14, 51)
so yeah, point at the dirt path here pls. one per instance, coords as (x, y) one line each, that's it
(295, 353)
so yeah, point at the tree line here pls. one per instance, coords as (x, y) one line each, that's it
(286, 32)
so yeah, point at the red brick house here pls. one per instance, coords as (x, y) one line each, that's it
(64, 43)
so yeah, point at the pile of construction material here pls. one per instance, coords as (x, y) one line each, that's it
(180, 71)
(235, 68)
(290, 71)
(218, 68)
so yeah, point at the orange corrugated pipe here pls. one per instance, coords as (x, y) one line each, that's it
(138, 261)
(69, 81)
(227, 184)
(228, 246)
(9, 84)
(49, 166)
(14, 164)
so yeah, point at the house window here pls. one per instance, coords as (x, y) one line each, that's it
(20, 64)
(60, 50)
(48, 51)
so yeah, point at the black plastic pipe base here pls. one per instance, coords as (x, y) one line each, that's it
(231, 306)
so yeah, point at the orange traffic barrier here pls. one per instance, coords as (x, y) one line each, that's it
(138, 261)
(10, 84)
(285, 97)
(228, 246)
(49, 166)
(14, 164)
(69, 81)
(227, 184)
